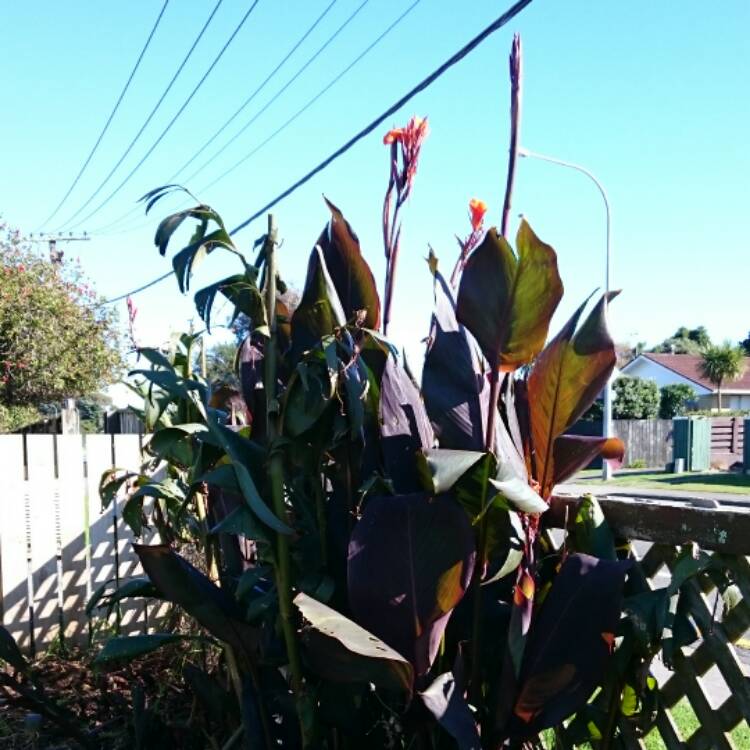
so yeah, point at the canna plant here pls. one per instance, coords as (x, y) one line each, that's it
(355, 529)
(372, 558)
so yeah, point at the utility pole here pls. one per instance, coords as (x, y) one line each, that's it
(55, 255)
(70, 418)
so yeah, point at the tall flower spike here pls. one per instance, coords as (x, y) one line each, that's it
(405, 144)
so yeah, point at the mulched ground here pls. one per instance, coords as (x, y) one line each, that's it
(101, 703)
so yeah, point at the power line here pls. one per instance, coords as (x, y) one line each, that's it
(133, 292)
(252, 96)
(296, 75)
(176, 116)
(150, 116)
(299, 72)
(111, 114)
(511, 13)
(312, 101)
(497, 24)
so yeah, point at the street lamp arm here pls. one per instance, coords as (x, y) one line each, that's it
(525, 153)
(607, 415)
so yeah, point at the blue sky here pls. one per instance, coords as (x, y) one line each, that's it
(651, 97)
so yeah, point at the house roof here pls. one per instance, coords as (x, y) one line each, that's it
(688, 366)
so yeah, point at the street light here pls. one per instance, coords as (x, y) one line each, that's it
(607, 417)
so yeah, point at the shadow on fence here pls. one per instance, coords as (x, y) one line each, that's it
(56, 544)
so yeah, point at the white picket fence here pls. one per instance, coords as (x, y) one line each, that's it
(56, 543)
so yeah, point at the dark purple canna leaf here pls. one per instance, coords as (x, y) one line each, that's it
(571, 453)
(454, 379)
(411, 558)
(446, 703)
(250, 366)
(182, 584)
(342, 651)
(507, 300)
(404, 427)
(350, 273)
(456, 388)
(570, 643)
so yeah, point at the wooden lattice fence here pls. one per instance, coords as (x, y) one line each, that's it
(721, 704)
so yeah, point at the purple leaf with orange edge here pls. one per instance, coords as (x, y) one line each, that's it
(565, 380)
(571, 453)
(569, 644)
(507, 300)
(411, 558)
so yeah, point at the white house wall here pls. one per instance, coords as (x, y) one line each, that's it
(642, 367)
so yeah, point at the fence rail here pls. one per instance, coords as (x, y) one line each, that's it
(648, 441)
(727, 440)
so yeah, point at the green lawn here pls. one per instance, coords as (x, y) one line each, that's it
(686, 722)
(723, 481)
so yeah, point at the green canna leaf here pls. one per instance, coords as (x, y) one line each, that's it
(507, 300)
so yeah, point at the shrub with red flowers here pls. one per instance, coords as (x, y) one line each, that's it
(54, 343)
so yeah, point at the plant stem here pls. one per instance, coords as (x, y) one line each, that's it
(320, 509)
(489, 444)
(276, 477)
(614, 705)
(489, 438)
(390, 268)
(515, 128)
(232, 741)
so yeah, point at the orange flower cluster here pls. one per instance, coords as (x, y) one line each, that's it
(410, 138)
(416, 130)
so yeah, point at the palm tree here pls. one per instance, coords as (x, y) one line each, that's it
(721, 364)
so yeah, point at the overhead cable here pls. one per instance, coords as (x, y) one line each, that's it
(271, 101)
(111, 115)
(174, 118)
(497, 24)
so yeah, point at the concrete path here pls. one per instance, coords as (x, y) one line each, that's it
(704, 499)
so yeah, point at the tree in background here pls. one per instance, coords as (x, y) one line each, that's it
(722, 364)
(745, 345)
(55, 342)
(635, 398)
(220, 364)
(685, 341)
(675, 400)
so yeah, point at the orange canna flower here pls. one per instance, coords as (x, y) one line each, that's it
(477, 210)
(393, 136)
